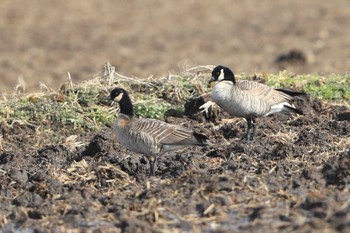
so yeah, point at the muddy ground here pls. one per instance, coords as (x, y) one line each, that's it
(294, 177)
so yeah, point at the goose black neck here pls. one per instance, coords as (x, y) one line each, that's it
(229, 75)
(126, 105)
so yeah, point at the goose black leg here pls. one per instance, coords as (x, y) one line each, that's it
(251, 127)
(152, 161)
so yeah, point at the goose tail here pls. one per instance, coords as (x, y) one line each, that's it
(283, 107)
(292, 109)
(291, 92)
(201, 140)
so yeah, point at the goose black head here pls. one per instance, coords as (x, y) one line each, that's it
(221, 73)
(122, 97)
(117, 94)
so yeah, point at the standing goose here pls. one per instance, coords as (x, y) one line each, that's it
(248, 99)
(148, 136)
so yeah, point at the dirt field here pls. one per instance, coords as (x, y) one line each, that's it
(43, 40)
(294, 177)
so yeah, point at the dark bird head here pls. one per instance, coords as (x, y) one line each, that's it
(221, 73)
(122, 97)
(117, 94)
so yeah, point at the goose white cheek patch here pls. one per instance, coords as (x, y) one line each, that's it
(118, 97)
(222, 75)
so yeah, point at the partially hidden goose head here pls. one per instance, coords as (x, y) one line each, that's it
(150, 137)
(221, 73)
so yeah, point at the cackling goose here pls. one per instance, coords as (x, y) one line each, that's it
(248, 99)
(148, 136)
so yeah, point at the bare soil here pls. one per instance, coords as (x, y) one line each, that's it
(294, 177)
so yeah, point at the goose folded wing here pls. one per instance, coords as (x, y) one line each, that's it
(164, 133)
(263, 92)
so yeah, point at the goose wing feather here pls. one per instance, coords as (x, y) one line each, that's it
(162, 132)
(262, 91)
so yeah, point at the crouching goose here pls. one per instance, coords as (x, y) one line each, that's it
(248, 99)
(148, 136)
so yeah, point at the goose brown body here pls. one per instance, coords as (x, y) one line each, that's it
(153, 137)
(149, 136)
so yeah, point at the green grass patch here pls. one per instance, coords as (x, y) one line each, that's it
(333, 87)
(76, 109)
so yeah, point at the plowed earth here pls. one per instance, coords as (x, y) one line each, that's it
(294, 177)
